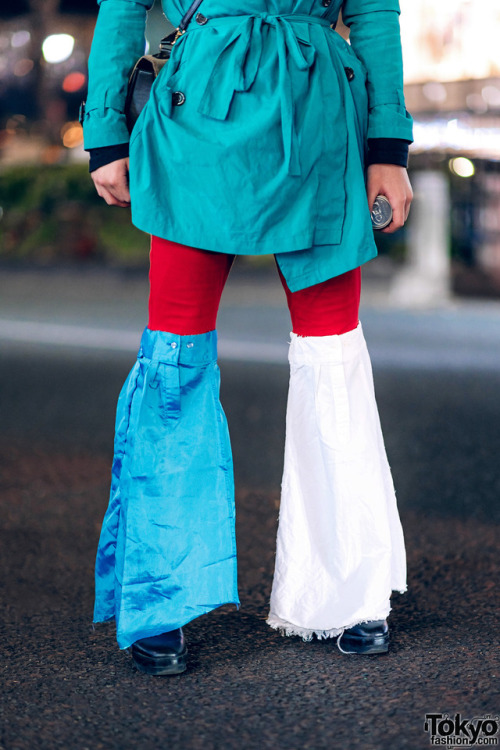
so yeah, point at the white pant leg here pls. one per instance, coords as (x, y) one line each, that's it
(340, 547)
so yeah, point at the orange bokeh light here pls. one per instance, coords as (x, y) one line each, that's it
(72, 134)
(73, 82)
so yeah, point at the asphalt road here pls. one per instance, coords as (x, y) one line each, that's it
(65, 685)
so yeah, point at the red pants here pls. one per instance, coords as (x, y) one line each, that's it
(186, 285)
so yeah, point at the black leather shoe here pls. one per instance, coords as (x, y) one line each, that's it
(161, 654)
(366, 638)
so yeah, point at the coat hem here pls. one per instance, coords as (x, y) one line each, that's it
(296, 282)
(305, 280)
(238, 243)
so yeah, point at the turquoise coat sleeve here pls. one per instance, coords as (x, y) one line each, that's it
(118, 42)
(376, 41)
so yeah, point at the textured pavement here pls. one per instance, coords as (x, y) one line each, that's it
(66, 685)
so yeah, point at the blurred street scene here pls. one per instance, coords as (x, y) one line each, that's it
(73, 303)
(452, 72)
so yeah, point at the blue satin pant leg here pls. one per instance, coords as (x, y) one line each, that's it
(167, 550)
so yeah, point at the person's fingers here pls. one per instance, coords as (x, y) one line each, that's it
(118, 189)
(120, 192)
(392, 181)
(111, 199)
(398, 214)
(118, 186)
(371, 192)
(112, 183)
(112, 195)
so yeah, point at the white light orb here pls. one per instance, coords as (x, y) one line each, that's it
(58, 47)
(462, 166)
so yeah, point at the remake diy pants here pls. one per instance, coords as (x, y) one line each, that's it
(167, 551)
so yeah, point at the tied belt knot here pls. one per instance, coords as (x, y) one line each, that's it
(235, 68)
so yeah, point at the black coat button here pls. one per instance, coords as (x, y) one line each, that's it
(325, 3)
(349, 73)
(178, 98)
(201, 19)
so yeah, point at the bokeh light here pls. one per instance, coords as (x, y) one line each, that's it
(20, 38)
(462, 166)
(72, 134)
(23, 67)
(434, 91)
(58, 47)
(73, 82)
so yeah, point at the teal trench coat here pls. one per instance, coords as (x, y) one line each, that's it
(264, 151)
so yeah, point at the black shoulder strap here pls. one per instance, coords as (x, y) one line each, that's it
(168, 41)
(191, 11)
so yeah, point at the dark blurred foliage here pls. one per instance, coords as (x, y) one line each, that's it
(53, 214)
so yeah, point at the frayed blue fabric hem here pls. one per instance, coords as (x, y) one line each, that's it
(156, 631)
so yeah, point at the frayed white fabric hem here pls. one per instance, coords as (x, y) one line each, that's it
(287, 628)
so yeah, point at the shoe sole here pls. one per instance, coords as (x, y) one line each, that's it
(352, 646)
(172, 665)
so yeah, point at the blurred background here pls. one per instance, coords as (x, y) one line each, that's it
(452, 75)
(73, 303)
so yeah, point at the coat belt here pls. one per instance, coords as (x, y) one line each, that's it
(236, 66)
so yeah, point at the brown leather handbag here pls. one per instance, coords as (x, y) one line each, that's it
(145, 71)
(147, 68)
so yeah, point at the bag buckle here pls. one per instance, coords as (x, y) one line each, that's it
(167, 43)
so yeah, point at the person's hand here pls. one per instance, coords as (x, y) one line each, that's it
(111, 182)
(393, 182)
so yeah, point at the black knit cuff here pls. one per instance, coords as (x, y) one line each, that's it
(388, 151)
(106, 154)
(380, 151)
